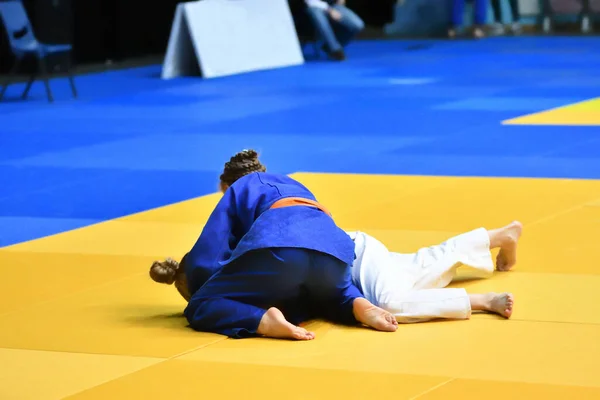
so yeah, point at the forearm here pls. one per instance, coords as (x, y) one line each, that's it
(182, 286)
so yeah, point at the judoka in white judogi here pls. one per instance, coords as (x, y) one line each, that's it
(413, 286)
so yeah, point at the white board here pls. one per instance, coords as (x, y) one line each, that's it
(226, 37)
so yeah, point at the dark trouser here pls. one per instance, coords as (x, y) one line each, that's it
(336, 34)
(514, 9)
(301, 283)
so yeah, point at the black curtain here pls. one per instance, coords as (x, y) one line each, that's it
(120, 29)
(101, 30)
(375, 13)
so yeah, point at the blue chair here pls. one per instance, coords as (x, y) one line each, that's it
(23, 44)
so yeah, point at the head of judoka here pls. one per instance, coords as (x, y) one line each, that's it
(243, 163)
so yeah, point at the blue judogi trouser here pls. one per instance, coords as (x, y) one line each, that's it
(302, 283)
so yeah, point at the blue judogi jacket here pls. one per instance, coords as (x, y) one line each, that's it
(243, 221)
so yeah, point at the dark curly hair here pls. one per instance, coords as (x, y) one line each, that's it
(170, 271)
(243, 163)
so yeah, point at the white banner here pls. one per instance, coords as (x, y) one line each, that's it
(226, 37)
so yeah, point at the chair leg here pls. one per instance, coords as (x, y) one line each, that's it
(12, 72)
(42, 64)
(71, 78)
(586, 20)
(28, 86)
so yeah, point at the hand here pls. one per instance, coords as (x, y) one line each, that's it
(341, 2)
(335, 14)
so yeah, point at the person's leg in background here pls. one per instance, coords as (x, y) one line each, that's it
(458, 11)
(480, 18)
(349, 24)
(320, 19)
(515, 26)
(498, 28)
(516, 17)
(547, 16)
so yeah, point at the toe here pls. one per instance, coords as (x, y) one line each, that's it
(391, 319)
(392, 326)
(300, 333)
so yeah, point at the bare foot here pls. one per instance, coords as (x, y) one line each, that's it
(501, 304)
(274, 325)
(508, 238)
(373, 316)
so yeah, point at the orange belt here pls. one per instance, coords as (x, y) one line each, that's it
(299, 201)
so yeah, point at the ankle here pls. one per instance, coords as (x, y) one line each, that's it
(360, 306)
(267, 321)
(507, 235)
(481, 302)
(494, 238)
(263, 325)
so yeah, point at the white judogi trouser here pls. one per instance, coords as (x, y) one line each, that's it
(411, 286)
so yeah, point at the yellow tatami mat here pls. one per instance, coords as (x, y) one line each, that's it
(583, 113)
(47, 375)
(81, 319)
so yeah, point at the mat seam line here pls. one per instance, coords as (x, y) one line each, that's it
(42, 302)
(550, 217)
(431, 389)
(158, 358)
(218, 340)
